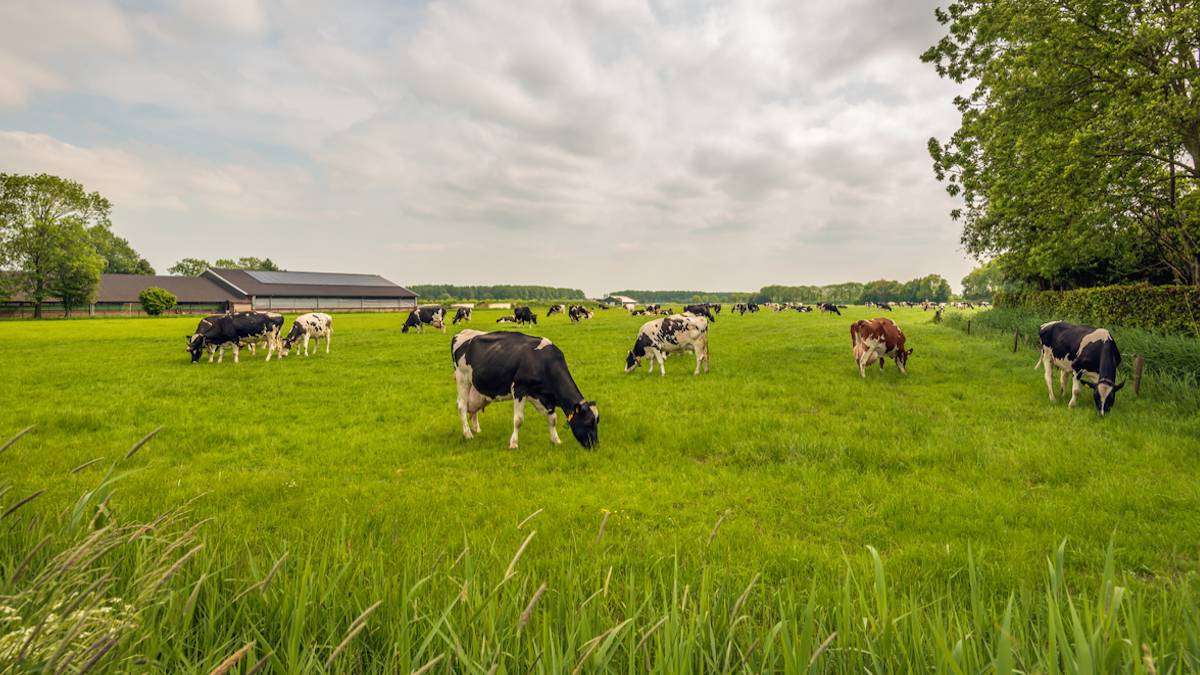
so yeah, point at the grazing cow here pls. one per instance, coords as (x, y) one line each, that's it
(638, 312)
(740, 308)
(1088, 353)
(829, 307)
(524, 315)
(885, 306)
(507, 319)
(578, 313)
(234, 330)
(662, 337)
(556, 309)
(313, 325)
(504, 364)
(700, 310)
(751, 307)
(653, 308)
(875, 340)
(463, 314)
(419, 317)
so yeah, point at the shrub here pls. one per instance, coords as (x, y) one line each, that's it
(1165, 309)
(156, 300)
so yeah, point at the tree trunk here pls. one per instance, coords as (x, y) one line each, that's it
(37, 309)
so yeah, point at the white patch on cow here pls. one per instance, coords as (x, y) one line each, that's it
(543, 344)
(1098, 335)
(1049, 323)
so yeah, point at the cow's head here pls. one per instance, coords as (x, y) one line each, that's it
(902, 356)
(1104, 395)
(195, 346)
(634, 358)
(584, 419)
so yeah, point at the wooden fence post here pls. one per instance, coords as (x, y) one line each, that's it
(968, 326)
(1016, 340)
(1138, 364)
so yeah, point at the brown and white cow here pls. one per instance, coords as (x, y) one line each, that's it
(875, 340)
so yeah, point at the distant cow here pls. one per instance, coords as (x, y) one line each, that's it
(556, 309)
(314, 326)
(524, 315)
(507, 319)
(463, 314)
(660, 338)
(875, 340)
(638, 312)
(419, 317)
(233, 330)
(1086, 352)
(505, 364)
(579, 313)
(829, 307)
(700, 310)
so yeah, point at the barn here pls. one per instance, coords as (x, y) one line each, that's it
(325, 291)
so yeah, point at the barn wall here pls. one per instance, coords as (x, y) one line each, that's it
(286, 304)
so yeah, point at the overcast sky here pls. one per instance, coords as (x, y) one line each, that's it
(599, 144)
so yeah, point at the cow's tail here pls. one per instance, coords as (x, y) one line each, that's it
(854, 334)
(1041, 357)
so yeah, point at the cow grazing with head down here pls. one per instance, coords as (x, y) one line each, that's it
(1090, 354)
(556, 309)
(829, 307)
(701, 310)
(579, 313)
(311, 326)
(463, 314)
(524, 316)
(505, 364)
(235, 330)
(875, 340)
(660, 338)
(507, 319)
(422, 316)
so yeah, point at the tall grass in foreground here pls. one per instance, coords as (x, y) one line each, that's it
(1172, 358)
(87, 591)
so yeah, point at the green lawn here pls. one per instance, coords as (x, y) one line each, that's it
(804, 463)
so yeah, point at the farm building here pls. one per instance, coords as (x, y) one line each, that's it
(221, 290)
(290, 291)
(622, 300)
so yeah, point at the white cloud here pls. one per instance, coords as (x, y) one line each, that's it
(601, 144)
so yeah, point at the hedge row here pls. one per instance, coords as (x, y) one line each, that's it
(1166, 309)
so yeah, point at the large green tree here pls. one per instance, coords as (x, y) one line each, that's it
(43, 224)
(1078, 154)
(248, 263)
(189, 267)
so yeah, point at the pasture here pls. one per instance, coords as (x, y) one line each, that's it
(781, 463)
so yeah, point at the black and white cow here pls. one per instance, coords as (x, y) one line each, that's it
(234, 330)
(505, 364)
(524, 315)
(507, 319)
(419, 317)
(1089, 353)
(463, 314)
(700, 310)
(829, 307)
(660, 338)
(579, 313)
(556, 309)
(311, 326)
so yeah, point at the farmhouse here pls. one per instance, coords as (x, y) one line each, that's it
(327, 291)
(222, 290)
(622, 300)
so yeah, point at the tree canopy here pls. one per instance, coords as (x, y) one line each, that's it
(119, 257)
(194, 267)
(1078, 155)
(46, 236)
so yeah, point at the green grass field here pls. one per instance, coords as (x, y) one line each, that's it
(780, 463)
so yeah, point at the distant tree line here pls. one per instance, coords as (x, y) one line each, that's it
(56, 240)
(499, 292)
(932, 287)
(194, 267)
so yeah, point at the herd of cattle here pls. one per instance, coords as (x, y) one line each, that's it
(490, 366)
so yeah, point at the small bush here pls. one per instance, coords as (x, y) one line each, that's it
(1165, 309)
(156, 300)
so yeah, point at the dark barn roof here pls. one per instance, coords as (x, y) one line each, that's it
(306, 284)
(126, 287)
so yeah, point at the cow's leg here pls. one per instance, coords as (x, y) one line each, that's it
(1048, 365)
(475, 421)
(662, 363)
(899, 363)
(518, 418)
(699, 357)
(464, 395)
(551, 418)
(212, 351)
(237, 350)
(221, 354)
(306, 343)
(1062, 383)
(328, 335)
(251, 345)
(1076, 385)
(864, 361)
